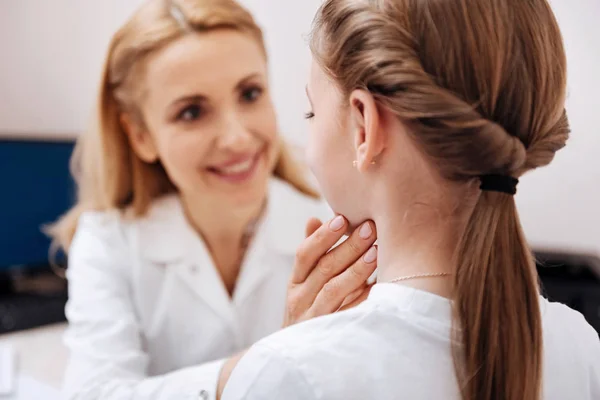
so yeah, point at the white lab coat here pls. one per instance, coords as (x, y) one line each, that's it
(149, 317)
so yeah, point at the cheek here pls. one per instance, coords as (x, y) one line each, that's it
(262, 120)
(181, 153)
(326, 157)
(263, 124)
(316, 150)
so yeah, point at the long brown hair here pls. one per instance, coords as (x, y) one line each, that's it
(108, 173)
(482, 85)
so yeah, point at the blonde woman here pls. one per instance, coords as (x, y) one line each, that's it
(430, 111)
(183, 241)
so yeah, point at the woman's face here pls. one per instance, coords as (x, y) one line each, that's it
(209, 116)
(330, 150)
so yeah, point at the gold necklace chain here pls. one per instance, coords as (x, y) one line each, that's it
(405, 278)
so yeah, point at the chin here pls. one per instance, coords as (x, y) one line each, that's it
(348, 211)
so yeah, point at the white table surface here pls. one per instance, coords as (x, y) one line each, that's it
(40, 352)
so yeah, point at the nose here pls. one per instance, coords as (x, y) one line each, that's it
(236, 135)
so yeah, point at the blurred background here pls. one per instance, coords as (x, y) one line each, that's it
(51, 53)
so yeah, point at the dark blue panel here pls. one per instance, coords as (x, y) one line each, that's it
(35, 188)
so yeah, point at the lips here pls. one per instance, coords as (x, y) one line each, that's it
(237, 170)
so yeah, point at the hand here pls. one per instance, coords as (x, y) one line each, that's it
(323, 280)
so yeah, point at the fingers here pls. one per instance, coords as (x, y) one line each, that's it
(311, 226)
(336, 290)
(316, 245)
(359, 299)
(338, 259)
(354, 295)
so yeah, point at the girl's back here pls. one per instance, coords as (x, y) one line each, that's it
(397, 345)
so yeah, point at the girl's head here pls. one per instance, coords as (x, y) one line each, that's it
(184, 106)
(425, 97)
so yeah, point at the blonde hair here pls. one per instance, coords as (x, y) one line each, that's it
(108, 173)
(482, 85)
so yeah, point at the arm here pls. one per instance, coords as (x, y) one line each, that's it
(107, 359)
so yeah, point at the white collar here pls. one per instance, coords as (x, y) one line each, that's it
(414, 301)
(164, 233)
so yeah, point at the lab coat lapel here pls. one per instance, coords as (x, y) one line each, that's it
(278, 235)
(166, 238)
(199, 273)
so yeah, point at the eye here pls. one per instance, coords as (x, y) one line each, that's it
(309, 115)
(190, 113)
(250, 95)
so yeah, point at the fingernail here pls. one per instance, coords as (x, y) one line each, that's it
(371, 255)
(365, 231)
(337, 223)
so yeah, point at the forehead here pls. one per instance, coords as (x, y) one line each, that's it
(321, 85)
(317, 76)
(204, 62)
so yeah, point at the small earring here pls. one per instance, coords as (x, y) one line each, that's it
(355, 163)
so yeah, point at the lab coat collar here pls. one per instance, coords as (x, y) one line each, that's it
(166, 236)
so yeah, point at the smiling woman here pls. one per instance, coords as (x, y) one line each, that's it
(189, 211)
(210, 121)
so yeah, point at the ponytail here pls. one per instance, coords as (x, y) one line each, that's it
(499, 352)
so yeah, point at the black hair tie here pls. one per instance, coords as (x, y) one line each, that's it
(499, 183)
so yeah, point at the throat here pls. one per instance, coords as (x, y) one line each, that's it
(228, 264)
(227, 236)
(228, 257)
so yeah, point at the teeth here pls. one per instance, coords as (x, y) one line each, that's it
(237, 168)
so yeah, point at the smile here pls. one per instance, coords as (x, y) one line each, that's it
(238, 171)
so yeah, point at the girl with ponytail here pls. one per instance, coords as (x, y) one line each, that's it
(425, 114)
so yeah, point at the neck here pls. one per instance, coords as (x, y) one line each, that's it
(414, 242)
(223, 231)
(218, 223)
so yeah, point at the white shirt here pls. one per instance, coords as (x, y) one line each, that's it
(396, 345)
(145, 299)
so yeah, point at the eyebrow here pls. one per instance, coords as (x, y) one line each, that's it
(244, 81)
(198, 98)
(195, 98)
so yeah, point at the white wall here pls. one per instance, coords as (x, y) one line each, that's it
(51, 53)
(560, 204)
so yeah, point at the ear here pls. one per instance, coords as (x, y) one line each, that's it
(369, 137)
(140, 140)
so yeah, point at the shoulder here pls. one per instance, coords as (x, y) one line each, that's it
(560, 319)
(97, 227)
(296, 362)
(568, 334)
(319, 334)
(264, 374)
(111, 232)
